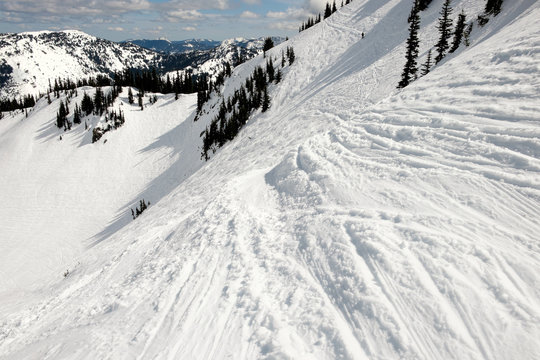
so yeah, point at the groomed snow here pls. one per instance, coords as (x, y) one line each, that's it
(350, 221)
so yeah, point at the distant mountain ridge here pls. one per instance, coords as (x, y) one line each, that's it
(28, 61)
(174, 47)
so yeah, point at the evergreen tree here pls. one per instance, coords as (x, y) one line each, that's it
(61, 116)
(467, 33)
(327, 11)
(411, 67)
(278, 76)
(334, 8)
(99, 99)
(130, 96)
(290, 55)
(87, 105)
(265, 100)
(77, 115)
(270, 70)
(140, 95)
(445, 31)
(426, 67)
(493, 7)
(423, 4)
(268, 44)
(458, 32)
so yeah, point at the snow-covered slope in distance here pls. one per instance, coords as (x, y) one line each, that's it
(181, 46)
(349, 221)
(212, 62)
(29, 60)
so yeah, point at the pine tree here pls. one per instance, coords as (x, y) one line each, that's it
(334, 8)
(445, 30)
(77, 115)
(87, 105)
(140, 95)
(458, 32)
(411, 67)
(327, 11)
(290, 55)
(61, 116)
(268, 44)
(270, 70)
(265, 100)
(467, 33)
(493, 7)
(130, 96)
(423, 4)
(426, 67)
(99, 101)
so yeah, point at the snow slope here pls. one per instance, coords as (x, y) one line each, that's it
(350, 221)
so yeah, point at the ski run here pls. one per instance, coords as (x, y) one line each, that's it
(352, 220)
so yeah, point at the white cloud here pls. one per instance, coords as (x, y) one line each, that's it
(75, 7)
(284, 25)
(252, 2)
(189, 28)
(291, 13)
(249, 15)
(188, 15)
(115, 28)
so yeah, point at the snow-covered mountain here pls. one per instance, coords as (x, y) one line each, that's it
(29, 60)
(349, 221)
(231, 51)
(173, 47)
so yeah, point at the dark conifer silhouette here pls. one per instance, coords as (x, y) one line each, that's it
(130, 96)
(61, 116)
(327, 11)
(458, 32)
(493, 7)
(423, 4)
(426, 67)
(411, 67)
(445, 31)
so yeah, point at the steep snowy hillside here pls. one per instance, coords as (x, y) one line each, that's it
(29, 60)
(350, 221)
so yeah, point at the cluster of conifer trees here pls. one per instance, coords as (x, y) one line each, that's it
(450, 37)
(151, 81)
(113, 119)
(68, 84)
(14, 104)
(329, 10)
(139, 210)
(234, 113)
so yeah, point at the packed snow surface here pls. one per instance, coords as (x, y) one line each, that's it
(350, 221)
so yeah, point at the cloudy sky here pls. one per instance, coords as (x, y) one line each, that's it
(152, 19)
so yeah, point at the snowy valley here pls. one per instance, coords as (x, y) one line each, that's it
(351, 220)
